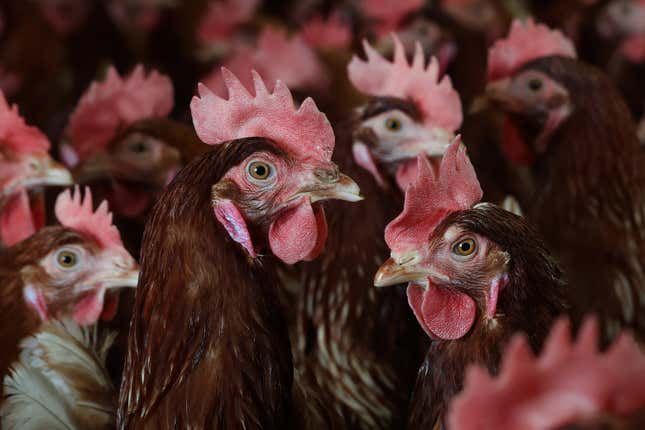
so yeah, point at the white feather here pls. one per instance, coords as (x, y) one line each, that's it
(60, 381)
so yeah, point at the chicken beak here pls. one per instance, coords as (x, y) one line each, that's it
(47, 172)
(341, 188)
(124, 279)
(496, 93)
(392, 273)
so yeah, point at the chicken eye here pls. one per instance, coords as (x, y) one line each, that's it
(464, 247)
(138, 147)
(535, 85)
(260, 170)
(393, 124)
(66, 259)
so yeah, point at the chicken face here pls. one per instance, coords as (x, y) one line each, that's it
(457, 272)
(538, 100)
(390, 137)
(66, 273)
(279, 195)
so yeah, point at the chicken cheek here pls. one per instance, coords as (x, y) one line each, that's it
(298, 234)
(442, 313)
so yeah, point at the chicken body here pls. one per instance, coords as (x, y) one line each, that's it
(588, 185)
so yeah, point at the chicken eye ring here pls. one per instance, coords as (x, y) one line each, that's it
(259, 171)
(464, 248)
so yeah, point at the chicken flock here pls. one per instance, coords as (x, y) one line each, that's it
(358, 214)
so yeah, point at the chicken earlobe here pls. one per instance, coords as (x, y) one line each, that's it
(233, 222)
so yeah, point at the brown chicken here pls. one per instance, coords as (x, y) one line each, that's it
(477, 275)
(74, 269)
(568, 123)
(571, 385)
(207, 311)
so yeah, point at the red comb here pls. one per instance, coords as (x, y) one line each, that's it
(569, 381)
(77, 213)
(277, 58)
(109, 106)
(304, 132)
(437, 99)
(16, 135)
(332, 33)
(431, 198)
(525, 42)
(223, 17)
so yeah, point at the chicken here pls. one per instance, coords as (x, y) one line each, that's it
(351, 338)
(210, 317)
(107, 138)
(74, 269)
(476, 273)
(570, 385)
(25, 166)
(60, 380)
(568, 123)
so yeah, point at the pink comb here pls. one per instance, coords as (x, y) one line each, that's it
(439, 102)
(223, 17)
(568, 382)
(277, 58)
(431, 198)
(77, 214)
(108, 107)
(16, 135)
(333, 33)
(305, 132)
(525, 42)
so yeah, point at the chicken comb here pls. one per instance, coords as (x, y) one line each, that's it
(275, 57)
(76, 213)
(16, 135)
(304, 132)
(330, 33)
(568, 382)
(108, 107)
(223, 17)
(432, 197)
(526, 42)
(438, 101)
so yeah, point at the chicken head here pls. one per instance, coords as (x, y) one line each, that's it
(412, 112)
(275, 191)
(78, 267)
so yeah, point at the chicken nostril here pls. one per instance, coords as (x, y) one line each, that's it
(328, 175)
